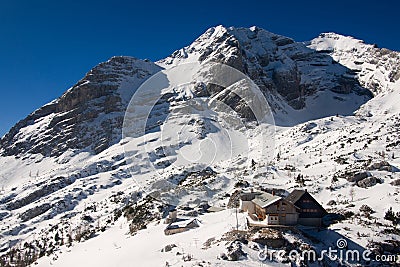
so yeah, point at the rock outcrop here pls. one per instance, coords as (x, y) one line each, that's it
(88, 116)
(291, 75)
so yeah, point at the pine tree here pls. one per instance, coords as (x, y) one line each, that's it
(390, 216)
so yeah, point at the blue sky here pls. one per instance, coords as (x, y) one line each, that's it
(47, 46)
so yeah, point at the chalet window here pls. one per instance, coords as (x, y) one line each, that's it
(310, 210)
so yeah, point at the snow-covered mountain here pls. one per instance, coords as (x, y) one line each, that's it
(74, 183)
(375, 68)
(299, 82)
(87, 116)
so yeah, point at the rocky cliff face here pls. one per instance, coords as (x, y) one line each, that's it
(377, 69)
(330, 75)
(79, 195)
(88, 116)
(282, 68)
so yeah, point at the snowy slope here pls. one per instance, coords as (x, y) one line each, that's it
(376, 68)
(299, 83)
(74, 186)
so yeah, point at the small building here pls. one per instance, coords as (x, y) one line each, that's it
(181, 226)
(172, 217)
(310, 211)
(203, 206)
(269, 209)
(214, 209)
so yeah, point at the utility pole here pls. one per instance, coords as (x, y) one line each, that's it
(196, 241)
(237, 221)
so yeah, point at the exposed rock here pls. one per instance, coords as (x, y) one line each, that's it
(358, 176)
(43, 190)
(193, 179)
(242, 184)
(275, 63)
(168, 248)
(287, 83)
(141, 214)
(362, 58)
(345, 86)
(234, 252)
(388, 246)
(87, 218)
(396, 182)
(76, 120)
(4, 215)
(331, 203)
(34, 212)
(366, 209)
(382, 166)
(309, 126)
(270, 238)
(368, 182)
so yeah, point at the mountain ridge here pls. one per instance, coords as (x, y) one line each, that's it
(284, 81)
(67, 176)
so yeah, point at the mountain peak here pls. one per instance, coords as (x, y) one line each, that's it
(88, 116)
(290, 75)
(376, 68)
(330, 40)
(287, 72)
(68, 175)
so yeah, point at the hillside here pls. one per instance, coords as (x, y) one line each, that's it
(99, 168)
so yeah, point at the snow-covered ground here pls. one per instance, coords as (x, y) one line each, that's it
(84, 208)
(117, 248)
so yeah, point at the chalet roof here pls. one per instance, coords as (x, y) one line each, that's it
(214, 209)
(295, 195)
(182, 224)
(265, 199)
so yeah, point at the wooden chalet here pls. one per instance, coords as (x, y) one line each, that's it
(310, 211)
(269, 209)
